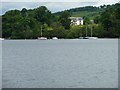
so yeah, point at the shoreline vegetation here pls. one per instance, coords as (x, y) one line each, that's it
(26, 23)
(65, 39)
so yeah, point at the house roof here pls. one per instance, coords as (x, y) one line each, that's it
(76, 18)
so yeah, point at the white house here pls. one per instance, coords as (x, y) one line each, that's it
(76, 20)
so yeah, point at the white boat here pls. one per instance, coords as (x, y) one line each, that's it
(93, 37)
(42, 38)
(54, 38)
(80, 37)
(86, 37)
(89, 38)
(92, 34)
(2, 39)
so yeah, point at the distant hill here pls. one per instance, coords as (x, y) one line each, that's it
(88, 11)
(27, 23)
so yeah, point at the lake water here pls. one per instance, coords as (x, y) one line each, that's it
(60, 63)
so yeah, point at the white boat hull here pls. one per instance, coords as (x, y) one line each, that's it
(88, 37)
(42, 38)
(93, 37)
(2, 39)
(54, 38)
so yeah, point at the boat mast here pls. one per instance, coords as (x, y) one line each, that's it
(92, 22)
(91, 31)
(41, 30)
(86, 31)
(81, 33)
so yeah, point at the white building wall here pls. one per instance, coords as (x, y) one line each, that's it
(81, 22)
(77, 22)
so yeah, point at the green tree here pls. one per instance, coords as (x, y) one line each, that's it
(24, 12)
(64, 19)
(43, 15)
(110, 21)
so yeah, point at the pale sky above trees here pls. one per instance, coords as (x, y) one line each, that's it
(52, 5)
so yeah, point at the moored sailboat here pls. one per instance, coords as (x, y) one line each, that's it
(42, 38)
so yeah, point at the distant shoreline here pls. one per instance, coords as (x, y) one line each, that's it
(62, 39)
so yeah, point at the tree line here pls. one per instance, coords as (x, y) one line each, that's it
(26, 24)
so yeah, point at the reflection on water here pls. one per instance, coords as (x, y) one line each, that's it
(60, 63)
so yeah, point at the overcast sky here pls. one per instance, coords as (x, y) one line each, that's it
(53, 5)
